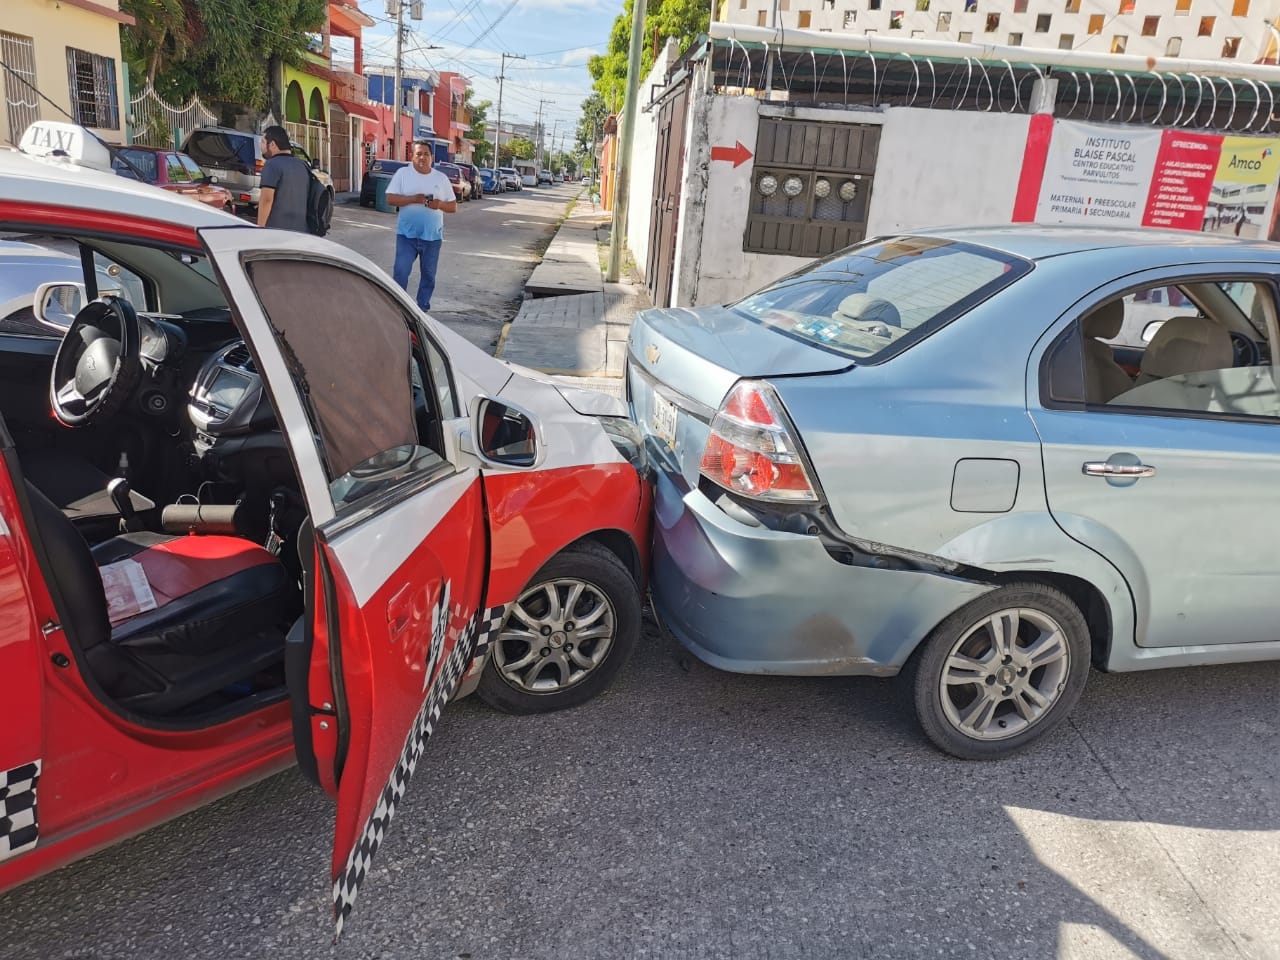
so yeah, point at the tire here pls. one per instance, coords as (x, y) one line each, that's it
(1031, 693)
(325, 213)
(603, 583)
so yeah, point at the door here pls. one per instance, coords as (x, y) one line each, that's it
(664, 226)
(1170, 474)
(399, 558)
(22, 708)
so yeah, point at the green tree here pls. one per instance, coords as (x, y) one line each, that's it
(682, 20)
(225, 50)
(479, 135)
(517, 148)
(591, 123)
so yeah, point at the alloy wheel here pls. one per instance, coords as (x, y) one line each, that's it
(555, 635)
(1004, 674)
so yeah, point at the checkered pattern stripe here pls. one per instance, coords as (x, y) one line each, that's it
(490, 623)
(347, 886)
(19, 821)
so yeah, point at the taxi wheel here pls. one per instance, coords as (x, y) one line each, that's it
(1001, 672)
(567, 636)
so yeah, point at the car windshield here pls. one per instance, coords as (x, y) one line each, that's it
(142, 160)
(874, 298)
(214, 148)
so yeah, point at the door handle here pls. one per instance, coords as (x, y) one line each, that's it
(1127, 471)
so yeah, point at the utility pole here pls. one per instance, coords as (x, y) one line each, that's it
(551, 146)
(621, 194)
(395, 133)
(541, 132)
(497, 131)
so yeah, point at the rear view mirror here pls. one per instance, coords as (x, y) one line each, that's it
(1150, 330)
(504, 435)
(56, 304)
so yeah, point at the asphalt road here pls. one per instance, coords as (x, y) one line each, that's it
(690, 813)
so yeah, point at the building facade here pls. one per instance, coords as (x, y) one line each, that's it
(417, 106)
(453, 116)
(69, 52)
(1190, 29)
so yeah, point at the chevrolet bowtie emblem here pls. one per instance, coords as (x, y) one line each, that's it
(652, 353)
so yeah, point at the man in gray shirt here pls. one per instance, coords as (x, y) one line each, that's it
(282, 202)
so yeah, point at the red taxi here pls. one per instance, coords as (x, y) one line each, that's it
(257, 507)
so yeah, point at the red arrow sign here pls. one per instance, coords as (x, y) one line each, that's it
(737, 153)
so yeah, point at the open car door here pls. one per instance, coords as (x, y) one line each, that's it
(395, 572)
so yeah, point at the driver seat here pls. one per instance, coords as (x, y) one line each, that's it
(223, 608)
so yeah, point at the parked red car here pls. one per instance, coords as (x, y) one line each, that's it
(236, 528)
(173, 171)
(461, 184)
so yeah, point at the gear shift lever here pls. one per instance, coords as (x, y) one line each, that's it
(118, 489)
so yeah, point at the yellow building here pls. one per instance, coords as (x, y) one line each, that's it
(69, 50)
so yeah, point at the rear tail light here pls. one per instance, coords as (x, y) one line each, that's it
(257, 166)
(752, 449)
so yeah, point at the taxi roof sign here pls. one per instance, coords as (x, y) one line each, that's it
(65, 141)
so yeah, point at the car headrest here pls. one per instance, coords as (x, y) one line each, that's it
(1105, 322)
(1187, 345)
(863, 306)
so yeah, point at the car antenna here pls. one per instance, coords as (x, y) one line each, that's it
(113, 150)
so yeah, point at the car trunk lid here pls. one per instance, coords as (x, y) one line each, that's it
(682, 362)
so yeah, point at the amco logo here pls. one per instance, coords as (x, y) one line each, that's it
(1244, 163)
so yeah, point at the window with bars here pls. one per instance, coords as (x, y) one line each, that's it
(811, 186)
(22, 104)
(91, 79)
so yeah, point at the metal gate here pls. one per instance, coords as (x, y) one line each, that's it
(21, 101)
(659, 272)
(158, 123)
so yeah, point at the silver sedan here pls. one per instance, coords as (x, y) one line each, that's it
(986, 458)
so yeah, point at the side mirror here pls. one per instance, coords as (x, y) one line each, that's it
(1150, 330)
(504, 435)
(56, 304)
(213, 179)
(315, 164)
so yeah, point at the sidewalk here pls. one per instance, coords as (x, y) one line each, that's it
(572, 323)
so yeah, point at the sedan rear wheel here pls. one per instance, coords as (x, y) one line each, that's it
(567, 636)
(1002, 671)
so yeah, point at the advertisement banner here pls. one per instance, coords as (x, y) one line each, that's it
(1083, 173)
(1097, 175)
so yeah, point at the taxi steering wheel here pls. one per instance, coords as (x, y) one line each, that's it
(98, 363)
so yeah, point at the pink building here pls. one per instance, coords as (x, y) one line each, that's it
(451, 115)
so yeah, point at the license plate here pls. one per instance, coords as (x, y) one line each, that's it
(664, 419)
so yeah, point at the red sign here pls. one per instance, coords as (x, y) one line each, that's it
(1182, 180)
(738, 154)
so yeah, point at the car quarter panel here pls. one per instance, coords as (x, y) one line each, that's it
(534, 514)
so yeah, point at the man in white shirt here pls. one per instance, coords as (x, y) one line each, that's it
(423, 195)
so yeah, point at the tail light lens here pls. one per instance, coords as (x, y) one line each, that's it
(752, 448)
(257, 166)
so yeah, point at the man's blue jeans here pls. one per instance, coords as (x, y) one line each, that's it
(427, 253)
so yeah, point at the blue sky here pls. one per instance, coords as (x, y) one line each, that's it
(557, 37)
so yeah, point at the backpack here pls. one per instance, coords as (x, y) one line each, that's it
(319, 206)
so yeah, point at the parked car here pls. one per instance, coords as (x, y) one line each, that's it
(510, 178)
(489, 180)
(922, 454)
(566, 178)
(461, 185)
(586, 179)
(171, 170)
(369, 184)
(332, 565)
(472, 173)
(545, 179)
(235, 158)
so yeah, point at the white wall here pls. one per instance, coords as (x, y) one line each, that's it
(644, 149)
(944, 167)
(935, 167)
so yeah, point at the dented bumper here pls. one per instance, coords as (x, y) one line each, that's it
(754, 600)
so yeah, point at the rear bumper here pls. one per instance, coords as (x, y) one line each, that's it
(754, 600)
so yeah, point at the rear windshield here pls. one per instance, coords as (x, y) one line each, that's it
(448, 169)
(870, 301)
(210, 148)
(142, 160)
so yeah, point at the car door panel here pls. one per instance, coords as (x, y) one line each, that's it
(1193, 538)
(398, 576)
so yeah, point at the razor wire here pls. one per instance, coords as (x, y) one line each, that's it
(1185, 101)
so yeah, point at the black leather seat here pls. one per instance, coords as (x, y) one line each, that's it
(223, 608)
